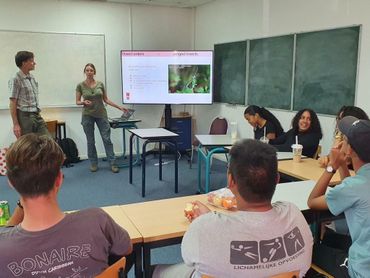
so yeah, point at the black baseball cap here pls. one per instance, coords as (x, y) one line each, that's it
(358, 135)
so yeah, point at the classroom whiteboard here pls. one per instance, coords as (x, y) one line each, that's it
(60, 59)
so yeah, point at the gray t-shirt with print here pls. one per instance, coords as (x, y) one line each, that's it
(249, 244)
(78, 246)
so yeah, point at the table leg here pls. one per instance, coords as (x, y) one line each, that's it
(138, 261)
(124, 143)
(160, 160)
(59, 131)
(176, 168)
(148, 246)
(208, 171)
(64, 131)
(137, 161)
(130, 172)
(316, 227)
(199, 168)
(208, 159)
(124, 148)
(147, 259)
(143, 169)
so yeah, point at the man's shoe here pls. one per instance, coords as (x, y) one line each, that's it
(93, 168)
(115, 169)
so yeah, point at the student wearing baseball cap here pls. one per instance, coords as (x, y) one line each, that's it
(351, 197)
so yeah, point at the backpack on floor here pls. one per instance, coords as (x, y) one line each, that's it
(70, 150)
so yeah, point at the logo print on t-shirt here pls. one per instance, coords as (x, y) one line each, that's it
(293, 241)
(244, 252)
(272, 250)
(265, 251)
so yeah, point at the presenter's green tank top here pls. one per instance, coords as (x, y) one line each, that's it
(95, 95)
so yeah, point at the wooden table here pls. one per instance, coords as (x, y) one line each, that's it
(162, 223)
(121, 219)
(307, 169)
(286, 155)
(161, 219)
(280, 155)
(124, 221)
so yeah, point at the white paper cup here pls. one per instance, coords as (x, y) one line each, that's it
(234, 135)
(264, 139)
(297, 152)
(234, 130)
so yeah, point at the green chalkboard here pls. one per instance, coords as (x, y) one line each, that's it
(325, 71)
(230, 72)
(270, 72)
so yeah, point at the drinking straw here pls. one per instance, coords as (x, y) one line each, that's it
(296, 139)
(264, 132)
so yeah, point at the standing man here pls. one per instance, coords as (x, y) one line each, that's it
(24, 100)
(351, 197)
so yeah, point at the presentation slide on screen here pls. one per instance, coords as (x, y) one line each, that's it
(167, 77)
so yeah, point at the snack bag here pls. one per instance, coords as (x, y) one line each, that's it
(189, 209)
(222, 198)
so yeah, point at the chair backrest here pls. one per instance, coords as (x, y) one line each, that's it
(218, 126)
(116, 270)
(52, 128)
(292, 274)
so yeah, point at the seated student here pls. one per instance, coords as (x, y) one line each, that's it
(243, 243)
(351, 197)
(260, 118)
(49, 243)
(338, 229)
(306, 126)
(343, 112)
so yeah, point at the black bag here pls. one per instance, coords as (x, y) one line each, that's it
(332, 260)
(70, 150)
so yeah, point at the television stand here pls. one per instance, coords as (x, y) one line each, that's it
(180, 124)
(167, 116)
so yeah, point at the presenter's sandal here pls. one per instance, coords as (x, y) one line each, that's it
(115, 169)
(93, 167)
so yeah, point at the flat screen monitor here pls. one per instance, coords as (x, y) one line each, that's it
(167, 77)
